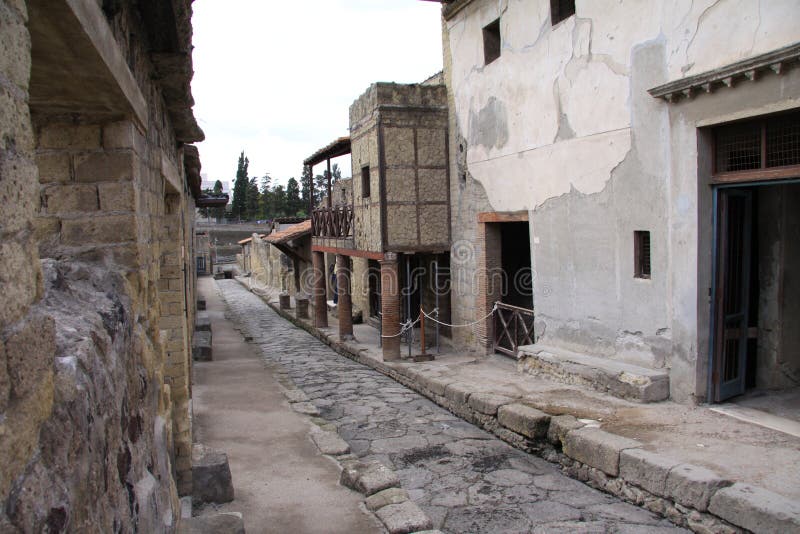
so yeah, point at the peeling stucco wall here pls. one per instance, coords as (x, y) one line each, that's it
(561, 125)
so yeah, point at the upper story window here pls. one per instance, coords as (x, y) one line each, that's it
(560, 10)
(491, 42)
(365, 181)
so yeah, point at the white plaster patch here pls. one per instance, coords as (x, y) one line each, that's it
(593, 84)
(527, 180)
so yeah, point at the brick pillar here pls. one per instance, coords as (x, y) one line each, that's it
(345, 305)
(390, 307)
(490, 281)
(319, 292)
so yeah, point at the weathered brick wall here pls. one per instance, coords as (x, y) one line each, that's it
(94, 360)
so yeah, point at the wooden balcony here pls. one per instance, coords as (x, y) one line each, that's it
(335, 222)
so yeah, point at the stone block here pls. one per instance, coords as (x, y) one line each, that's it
(202, 322)
(201, 347)
(367, 478)
(560, 425)
(458, 392)
(404, 518)
(53, 167)
(488, 403)
(104, 167)
(302, 308)
(70, 136)
(225, 523)
(646, 469)
(296, 395)
(285, 301)
(693, 486)
(19, 191)
(597, 448)
(30, 353)
(434, 383)
(121, 134)
(5, 382)
(18, 280)
(71, 198)
(305, 408)
(524, 419)
(211, 476)
(201, 303)
(116, 196)
(756, 509)
(385, 498)
(330, 443)
(15, 48)
(98, 230)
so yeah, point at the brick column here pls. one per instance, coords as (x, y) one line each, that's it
(390, 307)
(345, 305)
(490, 281)
(319, 292)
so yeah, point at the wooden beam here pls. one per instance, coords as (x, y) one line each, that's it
(503, 216)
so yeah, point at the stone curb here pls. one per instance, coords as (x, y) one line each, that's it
(612, 463)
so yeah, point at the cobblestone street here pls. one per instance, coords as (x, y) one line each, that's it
(465, 479)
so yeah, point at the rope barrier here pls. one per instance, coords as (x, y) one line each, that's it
(408, 325)
(494, 309)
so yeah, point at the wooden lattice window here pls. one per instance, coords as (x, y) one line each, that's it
(491, 42)
(641, 254)
(766, 148)
(560, 10)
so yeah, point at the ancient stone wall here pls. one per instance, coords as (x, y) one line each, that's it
(94, 360)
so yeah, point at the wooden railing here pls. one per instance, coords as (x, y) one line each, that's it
(332, 222)
(513, 326)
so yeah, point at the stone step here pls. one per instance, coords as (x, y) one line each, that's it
(202, 322)
(201, 346)
(621, 379)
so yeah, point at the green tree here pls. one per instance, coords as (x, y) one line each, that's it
(240, 186)
(252, 200)
(293, 201)
(305, 189)
(264, 198)
(279, 208)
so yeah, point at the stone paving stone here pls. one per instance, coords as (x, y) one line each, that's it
(403, 518)
(385, 498)
(330, 443)
(488, 403)
(461, 477)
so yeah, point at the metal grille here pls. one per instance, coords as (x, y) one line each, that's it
(783, 141)
(738, 147)
(642, 254)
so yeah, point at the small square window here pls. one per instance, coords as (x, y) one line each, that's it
(491, 42)
(560, 10)
(365, 181)
(641, 253)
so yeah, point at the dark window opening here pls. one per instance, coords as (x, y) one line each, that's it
(758, 144)
(491, 42)
(641, 252)
(560, 10)
(365, 193)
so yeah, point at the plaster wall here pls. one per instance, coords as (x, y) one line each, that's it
(561, 125)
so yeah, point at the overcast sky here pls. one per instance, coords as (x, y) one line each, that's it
(276, 78)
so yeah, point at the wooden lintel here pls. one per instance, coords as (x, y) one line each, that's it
(759, 175)
(348, 252)
(503, 216)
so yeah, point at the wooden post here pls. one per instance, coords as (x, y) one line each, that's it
(422, 331)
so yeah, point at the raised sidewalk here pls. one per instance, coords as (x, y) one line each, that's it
(701, 469)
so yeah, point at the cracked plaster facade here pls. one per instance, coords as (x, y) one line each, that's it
(561, 126)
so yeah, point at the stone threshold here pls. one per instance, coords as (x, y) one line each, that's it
(620, 379)
(690, 496)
